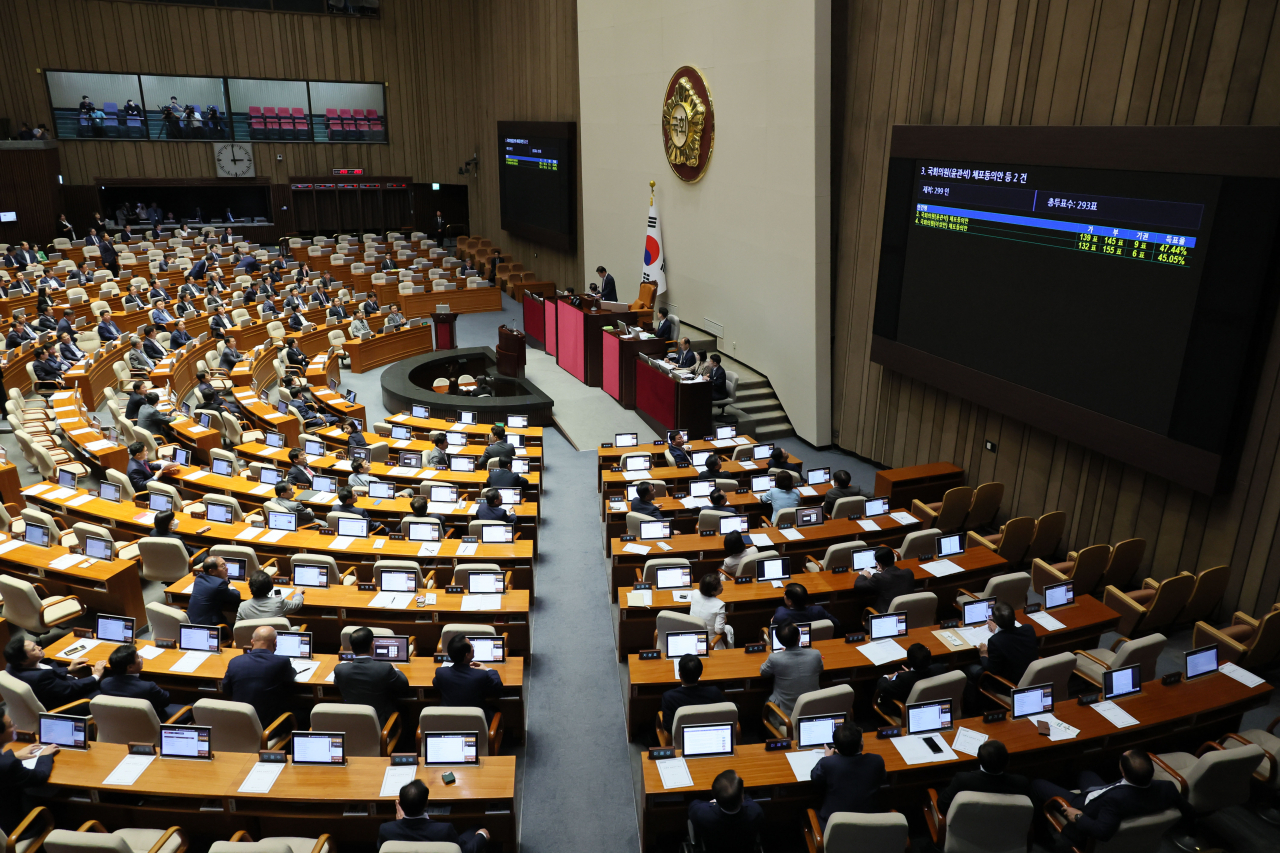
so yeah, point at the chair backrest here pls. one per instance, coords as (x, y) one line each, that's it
(237, 552)
(674, 620)
(358, 722)
(1210, 585)
(322, 560)
(988, 823)
(949, 685)
(954, 509)
(1172, 596)
(242, 633)
(84, 530)
(406, 847)
(841, 554)
(21, 604)
(828, 700)
(919, 542)
(845, 507)
(1089, 567)
(921, 607)
(1139, 834)
(1265, 644)
(1047, 535)
(457, 720)
(20, 702)
(634, 520)
(1220, 778)
(67, 841)
(650, 572)
(1125, 557)
(452, 629)
(124, 720)
(165, 620)
(747, 568)
(701, 715)
(709, 519)
(163, 559)
(985, 506)
(1056, 669)
(1017, 538)
(344, 639)
(235, 725)
(847, 832)
(1010, 589)
(1144, 650)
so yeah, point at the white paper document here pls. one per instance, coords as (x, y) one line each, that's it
(802, 763)
(903, 517)
(395, 778)
(637, 475)
(722, 442)
(481, 602)
(748, 465)
(65, 562)
(694, 503)
(1117, 716)
(915, 750)
(59, 494)
(190, 662)
(466, 549)
(79, 501)
(248, 533)
(1058, 730)
(401, 444)
(128, 770)
(939, 568)
(868, 525)
(633, 548)
(273, 535)
(808, 491)
(968, 741)
(261, 777)
(640, 598)
(1240, 674)
(10, 544)
(263, 489)
(304, 669)
(391, 600)
(792, 534)
(429, 549)
(401, 471)
(760, 540)
(674, 773)
(35, 490)
(1044, 620)
(880, 652)
(100, 444)
(440, 507)
(194, 475)
(341, 543)
(81, 431)
(77, 649)
(149, 652)
(975, 636)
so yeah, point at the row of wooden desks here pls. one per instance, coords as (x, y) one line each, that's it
(104, 586)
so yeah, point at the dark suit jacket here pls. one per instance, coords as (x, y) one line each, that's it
(263, 679)
(648, 509)
(899, 687)
(153, 349)
(229, 359)
(296, 322)
(981, 782)
(834, 494)
(466, 687)
(494, 513)
(15, 779)
(810, 613)
(338, 311)
(424, 829)
(726, 833)
(698, 694)
(135, 403)
(198, 270)
(108, 331)
(46, 371)
(499, 449)
(218, 325)
(609, 289)
(211, 598)
(64, 325)
(1102, 817)
(178, 339)
(504, 478)
(68, 352)
(298, 476)
(295, 356)
(719, 383)
(46, 323)
(664, 331)
(55, 686)
(887, 584)
(847, 783)
(139, 474)
(1010, 652)
(133, 687)
(365, 681)
(686, 358)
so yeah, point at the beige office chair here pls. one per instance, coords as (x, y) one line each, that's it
(242, 842)
(838, 556)
(674, 621)
(947, 514)
(1010, 542)
(921, 609)
(242, 633)
(488, 735)
(828, 700)
(919, 542)
(165, 560)
(236, 727)
(92, 837)
(1145, 650)
(1214, 778)
(650, 572)
(124, 720)
(709, 519)
(344, 639)
(696, 715)
(165, 621)
(747, 568)
(462, 572)
(329, 564)
(250, 557)
(949, 685)
(32, 609)
(850, 506)
(1010, 589)
(466, 629)
(634, 520)
(853, 832)
(1056, 669)
(364, 736)
(1146, 610)
(991, 823)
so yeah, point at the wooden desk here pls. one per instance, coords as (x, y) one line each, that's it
(472, 300)
(11, 486)
(106, 587)
(619, 363)
(665, 403)
(84, 434)
(385, 349)
(1178, 716)
(619, 480)
(927, 483)
(533, 435)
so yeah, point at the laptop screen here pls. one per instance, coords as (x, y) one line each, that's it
(626, 439)
(864, 558)
(925, 717)
(282, 521)
(706, 741)
(485, 582)
(395, 580)
(294, 644)
(675, 577)
(356, 527)
(723, 432)
(185, 741)
(1201, 661)
(114, 629)
(520, 466)
(421, 531)
(1059, 594)
(884, 625)
(198, 638)
(449, 748)
(949, 545)
(701, 488)
(818, 730)
(978, 611)
(817, 476)
(655, 530)
(444, 494)
(67, 479)
(877, 506)
(699, 458)
(1122, 682)
(66, 730)
(98, 548)
(466, 464)
(223, 467)
(318, 748)
(269, 476)
(731, 523)
(804, 636)
(310, 576)
(488, 648)
(497, 534)
(322, 483)
(680, 643)
(1028, 701)
(420, 411)
(282, 407)
(382, 491)
(394, 649)
(360, 453)
(517, 421)
(772, 569)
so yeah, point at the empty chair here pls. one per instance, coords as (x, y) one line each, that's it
(1149, 609)
(1056, 669)
(850, 506)
(921, 608)
(709, 519)
(1125, 558)
(918, 543)
(650, 572)
(92, 837)
(163, 559)
(949, 685)
(1213, 778)
(634, 520)
(242, 842)
(124, 720)
(731, 384)
(25, 709)
(991, 823)
(1011, 589)
(837, 556)
(236, 727)
(854, 832)
(747, 568)
(1251, 643)
(31, 608)
(985, 506)
(1146, 650)
(165, 620)
(828, 700)
(1011, 541)
(241, 552)
(1047, 535)
(947, 514)
(673, 621)
(364, 736)
(1210, 584)
(1083, 568)
(488, 735)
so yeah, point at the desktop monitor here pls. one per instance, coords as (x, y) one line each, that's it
(926, 717)
(294, 644)
(220, 513)
(638, 463)
(403, 433)
(310, 576)
(189, 742)
(444, 748)
(269, 476)
(730, 523)
(701, 488)
(626, 439)
(488, 648)
(805, 641)
(773, 569)
(382, 491)
(423, 412)
(466, 464)
(481, 583)
(761, 451)
(714, 739)
(158, 502)
(98, 548)
(655, 530)
(282, 521)
(633, 492)
(1029, 701)
(675, 577)
(362, 454)
(978, 611)
(311, 447)
(67, 479)
(318, 748)
(186, 409)
(876, 506)
(453, 439)
(680, 643)
(818, 730)
(517, 421)
(510, 495)
(817, 476)
(36, 534)
(444, 494)
(66, 730)
(357, 528)
(422, 531)
(723, 432)
(324, 483)
(761, 482)
(1059, 594)
(515, 440)
(275, 439)
(393, 649)
(884, 625)
(519, 466)
(807, 516)
(411, 459)
(109, 491)
(1122, 682)
(198, 638)
(114, 629)
(699, 458)
(1201, 661)
(497, 534)
(223, 467)
(863, 558)
(468, 418)
(397, 580)
(949, 545)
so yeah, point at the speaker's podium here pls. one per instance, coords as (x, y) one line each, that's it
(665, 401)
(510, 352)
(446, 329)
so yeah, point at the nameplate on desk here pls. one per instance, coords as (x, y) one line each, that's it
(854, 638)
(753, 648)
(1171, 678)
(442, 657)
(924, 558)
(82, 632)
(680, 495)
(166, 644)
(396, 537)
(785, 526)
(616, 468)
(469, 540)
(708, 438)
(1033, 608)
(995, 717)
(708, 532)
(657, 753)
(657, 442)
(454, 589)
(682, 465)
(326, 531)
(451, 420)
(272, 756)
(367, 587)
(743, 579)
(442, 467)
(1088, 698)
(404, 759)
(629, 537)
(650, 654)
(641, 585)
(886, 732)
(142, 748)
(19, 736)
(775, 744)
(949, 623)
(744, 490)
(607, 445)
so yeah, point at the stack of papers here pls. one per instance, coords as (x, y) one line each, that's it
(59, 494)
(975, 636)
(637, 475)
(400, 470)
(1240, 674)
(807, 491)
(481, 602)
(640, 598)
(263, 489)
(248, 533)
(79, 501)
(1058, 730)
(968, 741)
(1044, 620)
(939, 568)
(66, 561)
(694, 503)
(723, 442)
(904, 517)
(792, 534)
(273, 536)
(880, 652)
(391, 600)
(803, 762)
(760, 540)
(1117, 716)
(189, 662)
(149, 652)
(633, 548)
(440, 507)
(100, 444)
(674, 773)
(34, 490)
(261, 777)
(868, 525)
(748, 464)
(128, 770)
(914, 750)
(341, 543)
(194, 475)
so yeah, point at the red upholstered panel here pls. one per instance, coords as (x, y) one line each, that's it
(552, 329)
(534, 322)
(655, 394)
(571, 353)
(610, 381)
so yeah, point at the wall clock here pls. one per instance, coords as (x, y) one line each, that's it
(234, 159)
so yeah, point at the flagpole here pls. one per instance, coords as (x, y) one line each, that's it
(652, 184)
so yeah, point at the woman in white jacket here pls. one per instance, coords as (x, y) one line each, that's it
(706, 605)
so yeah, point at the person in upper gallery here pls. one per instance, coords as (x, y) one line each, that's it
(684, 356)
(676, 448)
(413, 824)
(465, 682)
(665, 328)
(54, 684)
(608, 288)
(896, 686)
(504, 477)
(705, 604)
(24, 133)
(690, 692)
(989, 778)
(498, 446)
(212, 595)
(796, 608)
(260, 677)
(841, 489)
(64, 229)
(730, 822)
(795, 670)
(887, 580)
(643, 502)
(264, 605)
(737, 552)
(284, 497)
(365, 681)
(846, 778)
(16, 779)
(1007, 653)
(718, 378)
(779, 459)
(783, 494)
(124, 679)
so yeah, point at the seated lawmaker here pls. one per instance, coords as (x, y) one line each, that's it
(466, 683)
(139, 470)
(180, 337)
(260, 677)
(365, 681)
(498, 447)
(896, 686)
(504, 477)
(347, 504)
(796, 608)
(989, 778)
(795, 670)
(841, 489)
(212, 595)
(413, 824)
(643, 502)
(887, 580)
(778, 459)
(690, 692)
(737, 551)
(264, 605)
(284, 497)
(355, 438)
(53, 684)
(684, 358)
(491, 509)
(847, 779)
(731, 821)
(125, 679)
(783, 494)
(718, 378)
(676, 448)
(665, 328)
(1007, 653)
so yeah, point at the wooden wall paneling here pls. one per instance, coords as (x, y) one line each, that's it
(1266, 102)
(29, 188)
(1249, 57)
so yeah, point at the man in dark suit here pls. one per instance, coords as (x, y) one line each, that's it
(643, 502)
(299, 474)
(18, 335)
(160, 315)
(718, 378)
(690, 692)
(337, 312)
(46, 368)
(199, 269)
(139, 470)
(370, 306)
(53, 684)
(990, 778)
(841, 489)
(365, 681)
(124, 680)
(68, 350)
(1009, 651)
(212, 595)
(440, 228)
(219, 322)
(413, 824)
(45, 322)
(294, 355)
(796, 608)
(465, 683)
(490, 509)
(887, 581)
(846, 778)
(1095, 813)
(296, 321)
(260, 677)
(292, 300)
(779, 458)
(387, 264)
(25, 256)
(684, 356)
(666, 329)
(16, 779)
(499, 447)
(230, 356)
(730, 822)
(151, 346)
(608, 288)
(504, 477)
(93, 239)
(68, 322)
(896, 687)
(107, 328)
(180, 337)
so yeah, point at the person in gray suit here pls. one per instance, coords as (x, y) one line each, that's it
(151, 418)
(138, 359)
(365, 681)
(794, 670)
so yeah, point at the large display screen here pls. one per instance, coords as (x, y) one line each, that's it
(536, 181)
(1120, 308)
